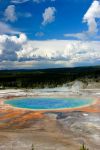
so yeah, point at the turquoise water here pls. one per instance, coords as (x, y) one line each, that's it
(48, 103)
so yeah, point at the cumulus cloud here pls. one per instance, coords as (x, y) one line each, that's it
(44, 54)
(49, 15)
(60, 50)
(91, 15)
(9, 45)
(10, 13)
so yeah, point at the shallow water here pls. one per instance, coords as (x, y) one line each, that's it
(48, 103)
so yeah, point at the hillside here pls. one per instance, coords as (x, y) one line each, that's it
(48, 77)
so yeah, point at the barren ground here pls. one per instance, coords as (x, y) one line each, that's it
(64, 130)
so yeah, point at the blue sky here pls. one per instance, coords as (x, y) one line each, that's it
(68, 17)
(49, 33)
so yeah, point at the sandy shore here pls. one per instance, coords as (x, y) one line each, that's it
(50, 130)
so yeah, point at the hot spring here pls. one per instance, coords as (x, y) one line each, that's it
(48, 103)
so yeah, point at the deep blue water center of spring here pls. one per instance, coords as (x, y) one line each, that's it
(48, 103)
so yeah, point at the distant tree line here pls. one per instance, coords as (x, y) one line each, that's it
(47, 77)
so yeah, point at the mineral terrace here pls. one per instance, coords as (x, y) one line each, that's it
(60, 130)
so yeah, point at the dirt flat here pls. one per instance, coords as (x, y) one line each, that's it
(55, 131)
